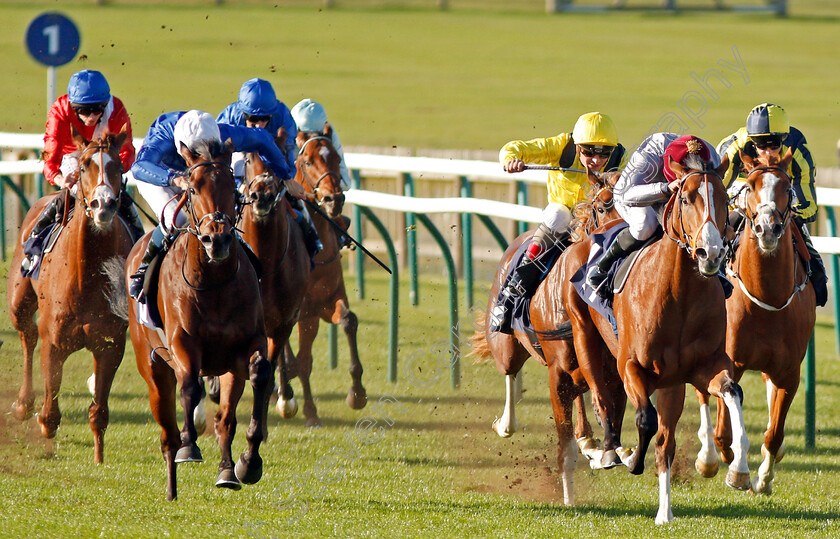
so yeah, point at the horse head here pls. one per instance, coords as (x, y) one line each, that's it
(100, 177)
(696, 214)
(769, 198)
(263, 189)
(319, 170)
(598, 207)
(209, 189)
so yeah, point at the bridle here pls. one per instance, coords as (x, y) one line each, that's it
(684, 239)
(785, 215)
(100, 180)
(316, 185)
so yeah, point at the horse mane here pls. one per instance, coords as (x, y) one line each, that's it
(208, 149)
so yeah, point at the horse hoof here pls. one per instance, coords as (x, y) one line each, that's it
(624, 453)
(227, 479)
(91, 383)
(738, 480)
(610, 459)
(313, 423)
(707, 469)
(357, 399)
(249, 471)
(287, 408)
(588, 446)
(189, 453)
(504, 432)
(22, 412)
(757, 487)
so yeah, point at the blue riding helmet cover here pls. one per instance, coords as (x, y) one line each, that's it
(87, 87)
(257, 98)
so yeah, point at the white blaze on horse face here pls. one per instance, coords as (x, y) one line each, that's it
(325, 153)
(766, 210)
(104, 194)
(710, 237)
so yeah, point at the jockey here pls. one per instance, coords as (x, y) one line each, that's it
(311, 118)
(593, 146)
(769, 133)
(90, 109)
(159, 161)
(258, 106)
(644, 186)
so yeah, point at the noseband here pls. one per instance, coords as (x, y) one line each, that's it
(684, 239)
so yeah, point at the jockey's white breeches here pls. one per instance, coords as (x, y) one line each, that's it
(643, 220)
(162, 201)
(557, 217)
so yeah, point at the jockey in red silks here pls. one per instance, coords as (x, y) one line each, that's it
(90, 109)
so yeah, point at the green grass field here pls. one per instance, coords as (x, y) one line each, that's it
(415, 77)
(439, 471)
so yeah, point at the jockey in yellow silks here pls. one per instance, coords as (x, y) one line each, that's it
(591, 146)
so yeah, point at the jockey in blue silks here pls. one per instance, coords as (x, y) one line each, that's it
(159, 161)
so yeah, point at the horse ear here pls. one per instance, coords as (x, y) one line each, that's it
(676, 167)
(328, 130)
(746, 160)
(723, 167)
(121, 137)
(80, 141)
(785, 162)
(282, 136)
(227, 151)
(187, 154)
(300, 139)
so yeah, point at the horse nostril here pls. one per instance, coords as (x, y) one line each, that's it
(94, 204)
(328, 199)
(777, 230)
(701, 253)
(205, 239)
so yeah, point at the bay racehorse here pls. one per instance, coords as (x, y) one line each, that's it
(671, 327)
(567, 379)
(74, 294)
(770, 315)
(318, 170)
(268, 226)
(209, 303)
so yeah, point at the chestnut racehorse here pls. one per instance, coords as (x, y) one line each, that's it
(671, 322)
(770, 314)
(566, 377)
(318, 170)
(73, 293)
(269, 228)
(209, 302)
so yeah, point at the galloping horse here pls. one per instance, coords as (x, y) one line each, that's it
(566, 377)
(73, 293)
(209, 302)
(671, 324)
(319, 173)
(269, 228)
(770, 314)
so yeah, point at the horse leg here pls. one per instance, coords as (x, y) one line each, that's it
(190, 395)
(52, 365)
(771, 393)
(357, 396)
(287, 405)
(727, 389)
(161, 381)
(637, 386)
(22, 306)
(585, 437)
(105, 364)
(231, 388)
(774, 437)
(208, 385)
(510, 356)
(307, 331)
(562, 396)
(670, 401)
(249, 466)
(707, 463)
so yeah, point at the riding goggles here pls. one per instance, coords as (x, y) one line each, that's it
(772, 142)
(257, 118)
(592, 151)
(88, 109)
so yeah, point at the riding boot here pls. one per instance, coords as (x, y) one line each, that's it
(525, 279)
(51, 214)
(153, 248)
(816, 268)
(132, 218)
(623, 244)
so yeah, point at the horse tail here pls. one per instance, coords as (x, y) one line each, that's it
(480, 346)
(562, 332)
(116, 291)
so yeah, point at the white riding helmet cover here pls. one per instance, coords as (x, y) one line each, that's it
(309, 116)
(196, 129)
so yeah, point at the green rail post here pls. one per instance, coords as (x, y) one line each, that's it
(411, 242)
(357, 232)
(394, 295)
(455, 368)
(835, 277)
(810, 396)
(466, 238)
(494, 230)
(522, 200)
(332, 333)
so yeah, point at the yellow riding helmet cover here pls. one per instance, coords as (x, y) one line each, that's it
(595, 128)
